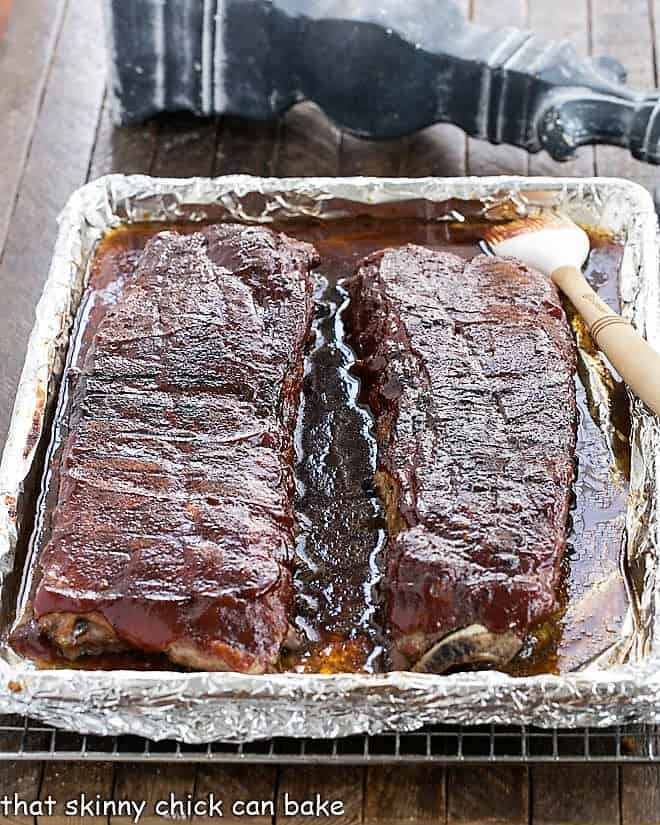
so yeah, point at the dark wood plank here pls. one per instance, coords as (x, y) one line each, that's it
(129, 150)
(19, 777)
(569, 21)
(401, 794)
(585, 794)
(624, 31)
(369, 157)
(27, 40)
(640, 794)
(178, 145)
(58, 163)
(482, 157)
(437, 150)
(308, 144)
(23, 779)
(476, 795)
(152, 783)
(237, 784)
(67, 781)
(304, 782)
(245, 147)
(185, 146)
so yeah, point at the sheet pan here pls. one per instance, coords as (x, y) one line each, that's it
(621, 685)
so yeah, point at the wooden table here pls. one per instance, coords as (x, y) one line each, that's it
(55, 133)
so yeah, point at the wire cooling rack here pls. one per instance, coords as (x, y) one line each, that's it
(24, 740)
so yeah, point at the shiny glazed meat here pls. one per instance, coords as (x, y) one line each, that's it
(173, 525)
(469, 370)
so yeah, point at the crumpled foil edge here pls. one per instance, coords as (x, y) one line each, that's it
(202, 707)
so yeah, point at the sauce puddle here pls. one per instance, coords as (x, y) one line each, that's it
(339, 514)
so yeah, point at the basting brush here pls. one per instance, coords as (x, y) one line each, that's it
(557, 247)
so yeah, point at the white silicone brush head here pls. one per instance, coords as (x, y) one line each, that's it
(546, 242)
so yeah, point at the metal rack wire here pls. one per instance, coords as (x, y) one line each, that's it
(24, 740)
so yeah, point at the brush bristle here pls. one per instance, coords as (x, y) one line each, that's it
(545, 242)
(505, 231)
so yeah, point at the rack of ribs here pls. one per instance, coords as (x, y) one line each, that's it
(468, 367)
(172, 530)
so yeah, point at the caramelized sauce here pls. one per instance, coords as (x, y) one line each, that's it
(341, 527)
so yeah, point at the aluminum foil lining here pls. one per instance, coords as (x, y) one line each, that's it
(622, 686)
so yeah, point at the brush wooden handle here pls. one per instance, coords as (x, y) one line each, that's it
(635, 361)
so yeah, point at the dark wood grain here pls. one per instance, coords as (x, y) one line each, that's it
(245, 147)
(402, 794)
(185, 146)
(307, 144)
(24, 780)
(26, 47)
(237, 783)
(152, 783)
(68, 781)
(21, 778)
(438, 150)
(64, 130)
(477, 795)
(640, 784)
(640, 794)
(585, 794)
(303, 782)
(129, 150)
(365, 157)
(58, 163)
